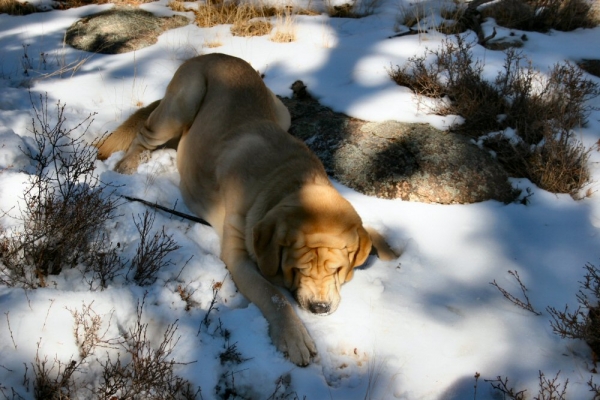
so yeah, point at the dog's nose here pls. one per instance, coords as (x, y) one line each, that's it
(320, 308)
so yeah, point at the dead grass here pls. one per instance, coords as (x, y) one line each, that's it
(543, 15)
(13, 7)
(353, 9)
(251, 28)
(416, 18)
(66, 4)
(343, 11)
(285, 31)
(214, 43)
(542, 109)
(455, 19)
(411, 16)
(241, 16)
(177, 5)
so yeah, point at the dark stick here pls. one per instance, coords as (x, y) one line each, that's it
(169, 210)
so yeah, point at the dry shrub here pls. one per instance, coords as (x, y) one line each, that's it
(211, 44)
(66, 205)
(501, 385)
(343, 11)
(249, 19)
(455, 76)
(214, 13)
(584, 322)
(141, 370)
(412, 16)
(251, 28)
(151, 252)
(543, 15)
(177, 5)
(353, 9)
(104, 263)
(283, 36)
(54, 381)
(284, 30)
(543, 110)
(454, 17)
(66, 4)
(420, 77)
(548, 388)
(306, 11)
(13, 7)
(65, 210)
(560, 165)
(144, 372)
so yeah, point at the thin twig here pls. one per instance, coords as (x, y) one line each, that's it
(526, 305)
(48, 313)
(10, 330)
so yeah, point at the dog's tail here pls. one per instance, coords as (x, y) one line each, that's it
(380, 247)
(122, 137)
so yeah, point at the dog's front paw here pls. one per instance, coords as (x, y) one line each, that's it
(128, 165)
(291, 338)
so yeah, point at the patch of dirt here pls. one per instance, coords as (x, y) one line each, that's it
(413, 162)
(120, 30)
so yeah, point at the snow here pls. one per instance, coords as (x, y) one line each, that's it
(419, 327)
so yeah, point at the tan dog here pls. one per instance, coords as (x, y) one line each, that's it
(264, 192)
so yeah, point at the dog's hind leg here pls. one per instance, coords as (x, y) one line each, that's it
(121, 138)
(172, 118)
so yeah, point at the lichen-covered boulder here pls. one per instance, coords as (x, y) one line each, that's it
(416, 162)
(413, 162)
(120, 30)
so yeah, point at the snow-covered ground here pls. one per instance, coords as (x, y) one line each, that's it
(419, 327)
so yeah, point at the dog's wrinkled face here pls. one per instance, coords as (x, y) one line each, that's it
(315, 247)
(315, 276)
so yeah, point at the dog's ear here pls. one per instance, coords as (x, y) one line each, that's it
(288, 262)
(363, 251)
(268, 236)
(380, 247)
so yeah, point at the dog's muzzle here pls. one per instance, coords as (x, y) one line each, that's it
(320, 308)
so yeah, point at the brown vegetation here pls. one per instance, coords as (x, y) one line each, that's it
(14, 7)
(241, 16)
(542, 110)
(543, 15)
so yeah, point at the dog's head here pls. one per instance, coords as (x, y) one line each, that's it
(315, 241)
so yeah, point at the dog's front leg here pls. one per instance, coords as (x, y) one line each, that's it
(285, 328)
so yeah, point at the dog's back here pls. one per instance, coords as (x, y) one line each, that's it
(236, 94)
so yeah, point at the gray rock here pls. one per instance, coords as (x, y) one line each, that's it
(413, 162)
(120, 30)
